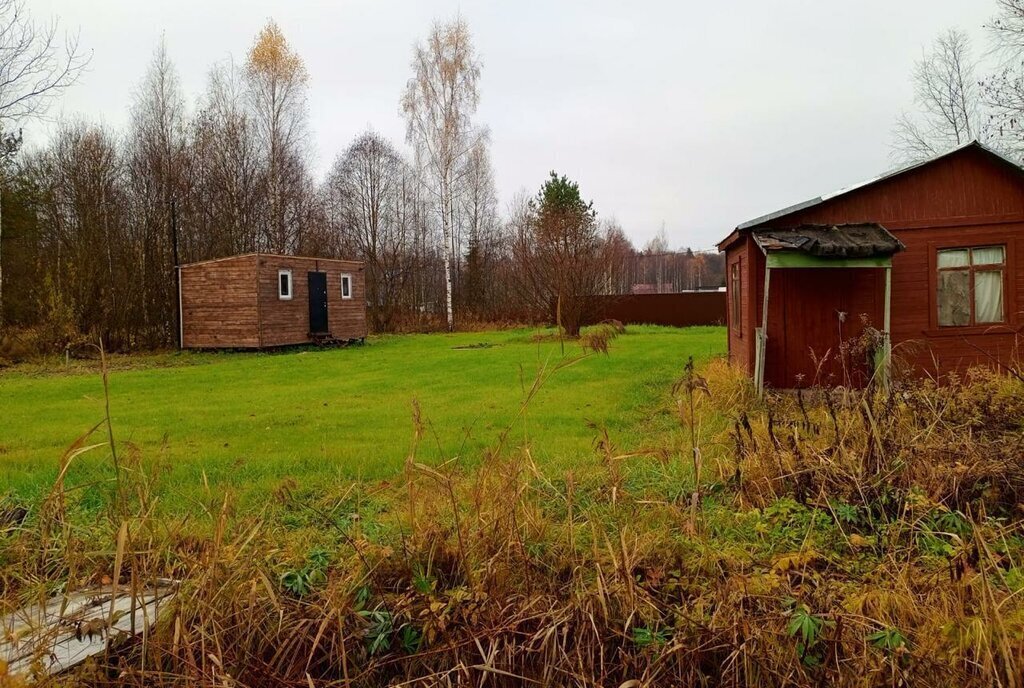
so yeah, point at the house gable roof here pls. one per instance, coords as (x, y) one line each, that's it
(818, 200)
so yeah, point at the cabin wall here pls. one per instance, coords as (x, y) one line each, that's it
(967, 199)
(741, 333)
(218, 304)
(285, 322)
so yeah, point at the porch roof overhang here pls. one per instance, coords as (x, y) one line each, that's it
(866, 245)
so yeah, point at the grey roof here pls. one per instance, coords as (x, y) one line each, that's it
(810, 203)
(862, 240)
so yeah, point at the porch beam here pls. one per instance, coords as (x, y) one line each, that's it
(797, 259)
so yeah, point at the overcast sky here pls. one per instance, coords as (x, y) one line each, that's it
(698, 115)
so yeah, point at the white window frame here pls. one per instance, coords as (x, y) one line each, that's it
(291, 285)
(346, 276)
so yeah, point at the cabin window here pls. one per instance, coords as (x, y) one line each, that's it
(735, 301)
(284, 284)
(346, 286)
(970, 285)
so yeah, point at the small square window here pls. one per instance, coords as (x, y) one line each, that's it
(346, 286)
(284, 284)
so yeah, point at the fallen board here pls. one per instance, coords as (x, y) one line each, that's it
(67, 629)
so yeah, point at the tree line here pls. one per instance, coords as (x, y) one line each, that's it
(95, 220)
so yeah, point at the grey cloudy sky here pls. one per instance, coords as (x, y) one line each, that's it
(696, 114)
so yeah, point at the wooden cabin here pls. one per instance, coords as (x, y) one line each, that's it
(930, 257)
(260, 300)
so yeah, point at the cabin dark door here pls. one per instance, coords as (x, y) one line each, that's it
(317, 302)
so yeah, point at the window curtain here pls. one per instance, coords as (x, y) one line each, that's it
(988, 296)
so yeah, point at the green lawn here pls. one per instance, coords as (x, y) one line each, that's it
(249, 420)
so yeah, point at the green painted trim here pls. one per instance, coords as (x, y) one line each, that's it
(795, 259)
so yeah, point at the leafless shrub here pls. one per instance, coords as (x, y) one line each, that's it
(597, 338)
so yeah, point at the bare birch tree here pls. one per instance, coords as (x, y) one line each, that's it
(439, 103)
(948, 99)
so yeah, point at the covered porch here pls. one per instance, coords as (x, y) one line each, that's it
(825, 292)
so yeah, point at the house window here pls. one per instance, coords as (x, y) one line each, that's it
(735, 301)
(346, 286)
(284, 284)
(970, 285)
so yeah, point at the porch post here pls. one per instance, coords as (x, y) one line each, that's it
(886, 322)
(762, 335)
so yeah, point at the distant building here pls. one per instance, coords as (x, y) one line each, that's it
(262, 300)
(662, 288)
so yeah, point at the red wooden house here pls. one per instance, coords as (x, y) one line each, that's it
(930, 255)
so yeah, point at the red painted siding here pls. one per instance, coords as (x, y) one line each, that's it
(968, 198)
(741, 335)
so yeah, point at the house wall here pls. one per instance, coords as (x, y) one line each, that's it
(284, 322)
(966, 199)
(741, 334)
(218, 304)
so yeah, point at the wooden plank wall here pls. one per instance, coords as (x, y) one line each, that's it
(741, 337)
(284, 322)
(965, 199)
(218, 304)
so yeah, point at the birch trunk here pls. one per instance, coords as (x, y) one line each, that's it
(446, 231)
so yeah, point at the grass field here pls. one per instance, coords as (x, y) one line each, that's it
(249, 420)
(827, 537)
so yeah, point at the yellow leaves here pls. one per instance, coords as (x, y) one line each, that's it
(272, 57)
(795, 560)
(763, 583)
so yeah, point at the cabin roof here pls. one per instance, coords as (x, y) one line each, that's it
(268, 255)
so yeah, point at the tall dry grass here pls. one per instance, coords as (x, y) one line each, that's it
(826, 538)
